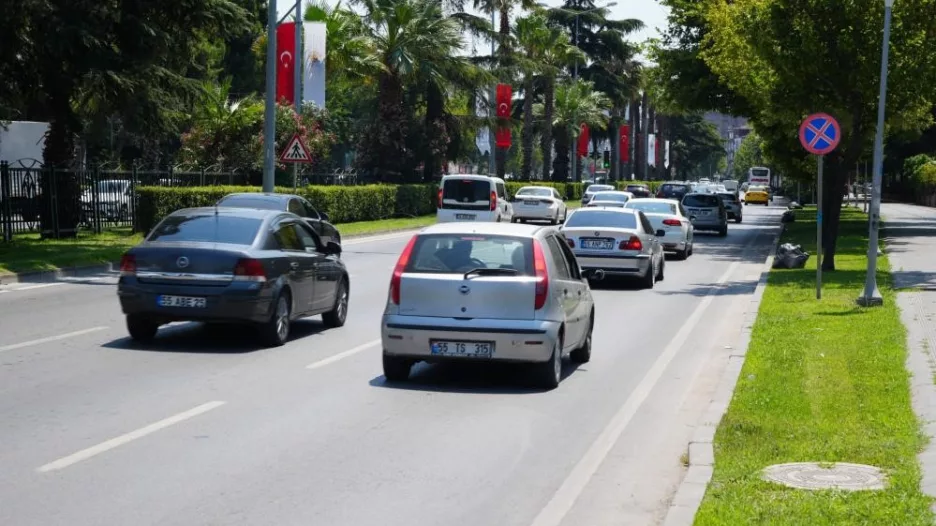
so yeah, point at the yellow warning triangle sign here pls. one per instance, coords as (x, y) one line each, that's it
(296, 152)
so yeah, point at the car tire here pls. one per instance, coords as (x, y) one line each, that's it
(583, 353)
(339, 313)
(682, 255)
(141, 328)
(649, 279)
(691, 249)
(723, 231)
(548, 374)
(275, 332)
(737, 219)
(659, 276)
(396, 369)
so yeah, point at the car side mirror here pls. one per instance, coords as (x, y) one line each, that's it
(324, 216)
(332, 249)
(660, 233)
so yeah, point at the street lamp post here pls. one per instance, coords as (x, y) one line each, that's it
(871, 295)
(269, 114)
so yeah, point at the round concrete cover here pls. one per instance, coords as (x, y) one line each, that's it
(811, 475)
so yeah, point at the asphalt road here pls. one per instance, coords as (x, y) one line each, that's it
(202, 427)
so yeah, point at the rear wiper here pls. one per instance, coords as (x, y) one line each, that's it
(491, 272)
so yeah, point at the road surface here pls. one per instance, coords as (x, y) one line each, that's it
(202, 427)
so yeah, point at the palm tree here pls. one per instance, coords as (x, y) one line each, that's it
(577, 103)
(346, 42)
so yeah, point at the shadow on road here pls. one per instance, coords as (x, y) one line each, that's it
(200, 338)
(472, 377)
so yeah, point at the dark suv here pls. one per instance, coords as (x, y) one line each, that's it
(673, 190)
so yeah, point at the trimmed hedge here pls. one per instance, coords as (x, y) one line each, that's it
(343, 204)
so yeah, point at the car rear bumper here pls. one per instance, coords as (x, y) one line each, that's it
(615, 265)
(523, 212)
(221, 305)
(709, 224)
(513, 340)
(675, 247)
(447, 215)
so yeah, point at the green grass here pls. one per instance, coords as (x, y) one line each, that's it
(823, 381)
(386, 225)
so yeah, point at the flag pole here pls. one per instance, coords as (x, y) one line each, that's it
(297, 78)
(269, 112)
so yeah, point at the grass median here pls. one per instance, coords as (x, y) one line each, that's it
(823, 381)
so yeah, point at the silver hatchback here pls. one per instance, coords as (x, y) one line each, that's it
(487, 291)
(707, 212)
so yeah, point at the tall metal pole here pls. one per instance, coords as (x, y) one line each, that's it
(574, 145)
(269, 114)
(864, 206)
(871, 295)
(297, 77)
(819, 234)
(492, 169)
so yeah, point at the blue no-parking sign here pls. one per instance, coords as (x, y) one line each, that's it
(820, 133)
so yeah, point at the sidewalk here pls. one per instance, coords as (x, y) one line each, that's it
(909, 232)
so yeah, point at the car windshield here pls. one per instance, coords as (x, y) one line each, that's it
(467, 190)
(701, 201)
(538, 192)
(636, 188)
(729, 197)
(611, 196)
(756, 189)
(653, 207)
(207, 228)
(674, 189)
(598, 188)
(249, 201)
(458, 253)
(601, 219)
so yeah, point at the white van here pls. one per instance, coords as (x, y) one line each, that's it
(473, 198)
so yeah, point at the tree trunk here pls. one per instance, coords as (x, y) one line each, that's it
(644, 167)
(60, 189)
(526, 170)
(833, 190)
(561, 163)
(383, 148)
(436, 142)
(546, 138)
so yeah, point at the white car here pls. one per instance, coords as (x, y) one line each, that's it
(476, 198)
(611, 199)
(670, 216)
(539, 203)
(592, 190)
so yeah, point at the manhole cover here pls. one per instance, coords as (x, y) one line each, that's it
(842, 475)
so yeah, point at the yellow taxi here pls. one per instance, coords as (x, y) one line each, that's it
(757, 195)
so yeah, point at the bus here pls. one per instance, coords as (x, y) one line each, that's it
(758, 175)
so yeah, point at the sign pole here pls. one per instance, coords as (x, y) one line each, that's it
(819, 233)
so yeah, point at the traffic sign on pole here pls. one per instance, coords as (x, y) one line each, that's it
(295, 152)
(819, 134)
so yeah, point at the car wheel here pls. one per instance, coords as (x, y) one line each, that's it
(723, 231)
(396, 369)
(141, 329)
(737, 219)
(549, 372)
(649, 279)
(275, 332)
(336, 317)
(662, 268)
(583, 353)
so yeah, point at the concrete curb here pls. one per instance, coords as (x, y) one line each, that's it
(691, 490)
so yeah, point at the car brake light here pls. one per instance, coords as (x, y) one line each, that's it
(493, 201)
(542, 277)
(128, 266)
(439, 202)
(672, 222)
(398, 271)
(571, 243)
(631, 244)
(249, 269)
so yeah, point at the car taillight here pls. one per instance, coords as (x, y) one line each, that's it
(398, 272)
(493, 201)
(672, 222)
(439, 202)
(542, 277)
(571, 243)
(128, 265)
(631, 244)
(249, 269)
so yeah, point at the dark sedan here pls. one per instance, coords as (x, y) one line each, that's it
(232, 265)
(639, 190)
(286, 203)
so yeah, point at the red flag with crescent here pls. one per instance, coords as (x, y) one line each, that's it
(583, 140)
(625, 143)
(504, 105)
(502, 138)
(286, 62)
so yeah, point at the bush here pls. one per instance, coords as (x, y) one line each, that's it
(343, 204)
(566, 190)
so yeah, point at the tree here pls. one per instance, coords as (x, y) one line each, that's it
(696, 148)
(789, 58)
(577, 103)
(749, 154)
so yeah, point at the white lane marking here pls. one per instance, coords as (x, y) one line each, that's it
(368, 239)
(34, 287)
(342, 355)
(50, 339)
(562, 501)
(103, 447)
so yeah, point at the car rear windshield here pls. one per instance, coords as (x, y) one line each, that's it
(246, 201)
(674, 188)
(728, 197)
(598, 188)
(467, 190)
(459, 253)
(601, 219)
(611, 196)
(650, 207)
(538, 192)
(636, 188)
(701, 201)
(207, 228)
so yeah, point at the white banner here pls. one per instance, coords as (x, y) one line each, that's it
(666, 154)
(651, 149)
(313, 83)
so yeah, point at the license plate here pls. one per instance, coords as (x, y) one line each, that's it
(181, 301)
(465, 349)
(530, 203)
(597, 244)
(465, 217)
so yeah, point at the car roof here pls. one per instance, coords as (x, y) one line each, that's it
(614, 192)
(621, 210)
(654, 200)
(255, 213)
(476, 177)
(536, 187)
(261, 196)
(488, 228)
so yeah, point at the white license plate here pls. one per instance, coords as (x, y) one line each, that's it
(465, 217)
(181, 301)
(598, 244)
(531, 203)
(465, 349)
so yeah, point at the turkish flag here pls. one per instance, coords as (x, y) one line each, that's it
(286, 62)
(502, 138)
(583, 140)
(625, 143)
(504, 105)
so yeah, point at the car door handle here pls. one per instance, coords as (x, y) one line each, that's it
(294, 265)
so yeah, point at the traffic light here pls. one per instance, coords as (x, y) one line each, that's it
(607, 159)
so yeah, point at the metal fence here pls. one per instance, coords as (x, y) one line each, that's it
(60, 203)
